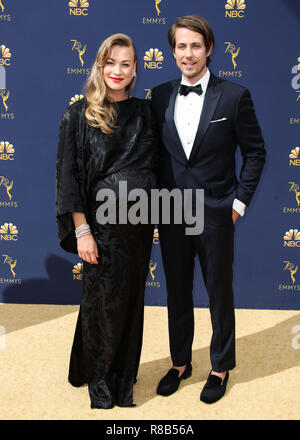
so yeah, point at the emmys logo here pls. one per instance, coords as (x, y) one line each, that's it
(11, 262)
(78, 7)
(157, 19)
(292, 269)
(77, 271)
(155, 236)
(77, 46)
(4, 95)
(4, 17)
(5, 56)
(153, 59)
(235, 8)
(233, 51)
(6, 151)
(75, 99)
(292, 238)
(295, 157)
(152, 268)
(80, 49)
(295, 82)
(9, 232)
(8, 186)
(294, 187)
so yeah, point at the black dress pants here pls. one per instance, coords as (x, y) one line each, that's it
(214, 248)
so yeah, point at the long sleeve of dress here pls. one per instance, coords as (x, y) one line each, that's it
(68, 181)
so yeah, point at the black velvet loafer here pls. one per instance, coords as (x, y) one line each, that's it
(214, 389)
(170, 382)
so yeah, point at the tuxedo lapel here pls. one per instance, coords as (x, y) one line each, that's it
(170, 126)
(212, 96)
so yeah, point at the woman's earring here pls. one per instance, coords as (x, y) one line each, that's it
(134, 74)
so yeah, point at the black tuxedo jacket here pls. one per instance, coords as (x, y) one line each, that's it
(228, 119)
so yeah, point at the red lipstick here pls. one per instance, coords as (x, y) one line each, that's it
(117, 80)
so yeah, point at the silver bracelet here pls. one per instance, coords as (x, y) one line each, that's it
(82, 229)
(82, 234)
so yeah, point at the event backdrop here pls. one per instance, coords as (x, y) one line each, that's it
(47, 49)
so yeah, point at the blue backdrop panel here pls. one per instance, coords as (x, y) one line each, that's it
(47, 50)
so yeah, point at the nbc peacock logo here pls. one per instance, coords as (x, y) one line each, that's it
(8, 232)
(77, 271)
(75, 99)
(5, 56)
(153, 59)
(78, 7)
(6, 151)
(295, 156)
(235, 8)
(155, 236)
(292, 238)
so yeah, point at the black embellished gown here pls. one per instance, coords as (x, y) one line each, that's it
(108, 337)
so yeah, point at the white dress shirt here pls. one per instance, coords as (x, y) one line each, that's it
(187, 115)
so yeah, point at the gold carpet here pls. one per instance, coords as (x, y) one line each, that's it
(35, 343)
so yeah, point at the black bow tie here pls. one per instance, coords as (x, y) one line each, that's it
(185, 90)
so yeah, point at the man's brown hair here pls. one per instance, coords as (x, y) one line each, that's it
(196, 24)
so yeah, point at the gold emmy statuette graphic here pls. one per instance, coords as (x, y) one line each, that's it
(290, 266)
(234, 52)
(78, 47)
(235, 4)
(75, 99)
(7, 185)
(295, 188)
(1, 6)
(148, 94)
(152, 267)
(4, 98)
(157, 2)
(12, 264)
(298, 97)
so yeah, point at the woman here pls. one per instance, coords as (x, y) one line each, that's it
(105, 138)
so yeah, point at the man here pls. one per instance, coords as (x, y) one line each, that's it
(202, 119)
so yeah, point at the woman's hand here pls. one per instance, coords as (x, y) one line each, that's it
(87, 248)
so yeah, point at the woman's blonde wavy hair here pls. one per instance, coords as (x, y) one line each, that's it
(101, 113)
